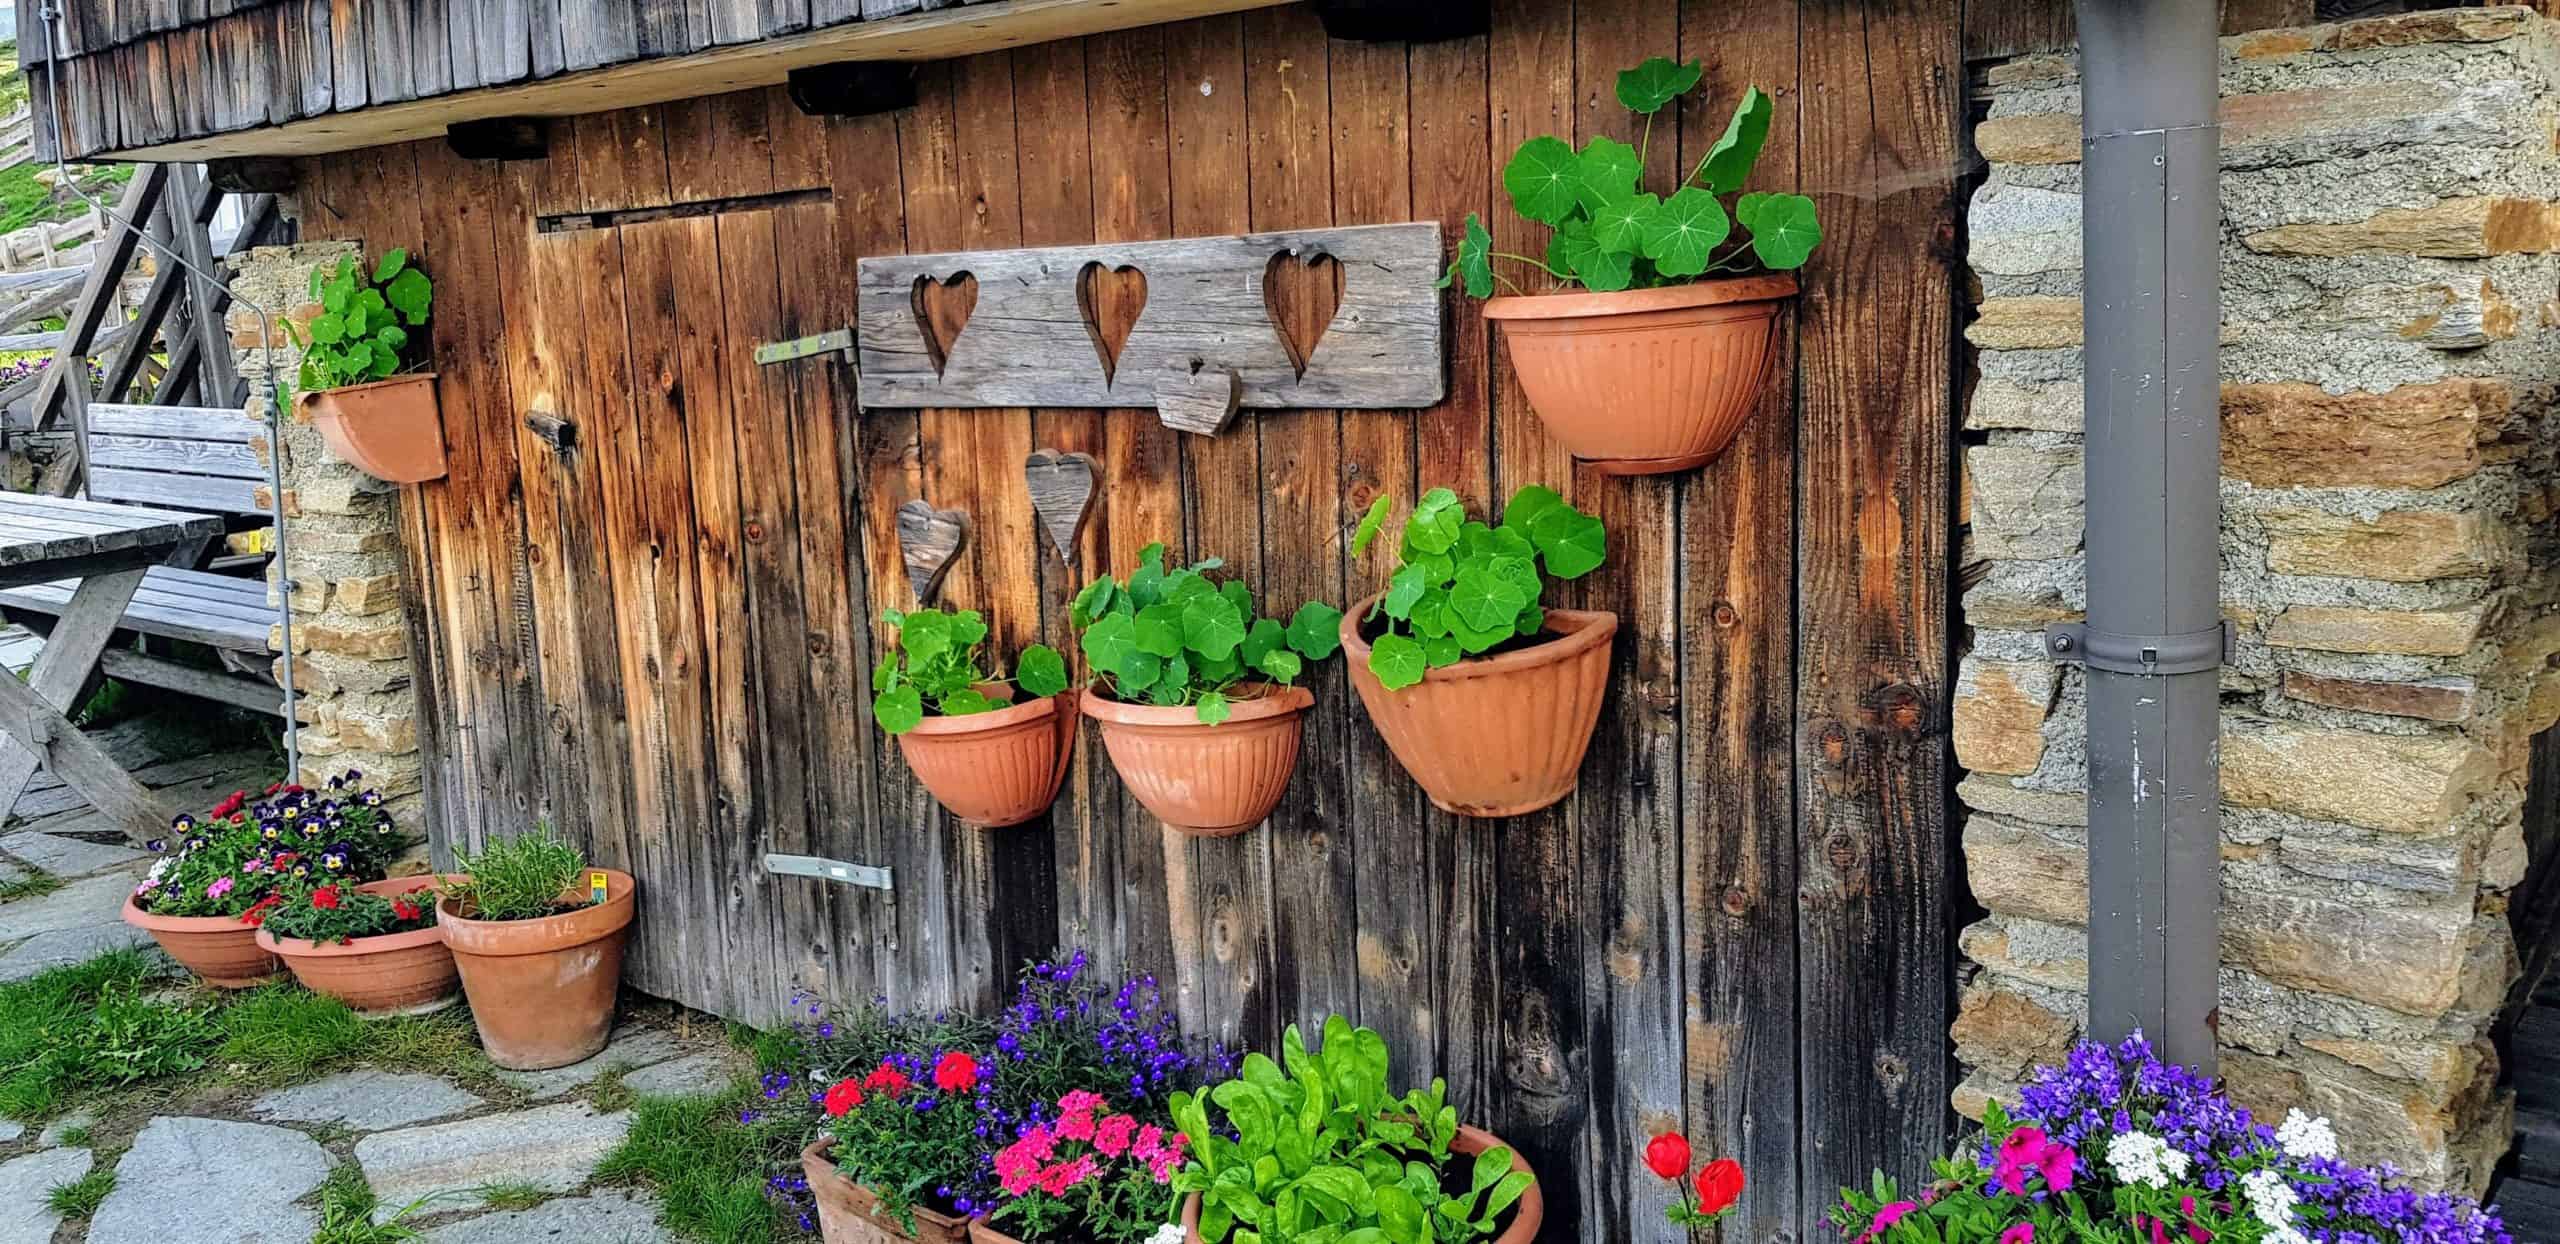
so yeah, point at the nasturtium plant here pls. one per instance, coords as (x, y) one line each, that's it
(1612, 234)
(1322, 1154)
(936, 667)
(1462, 588)
(1171, 636)
(367, 325)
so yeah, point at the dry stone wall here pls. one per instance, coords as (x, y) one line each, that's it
(2391, 203)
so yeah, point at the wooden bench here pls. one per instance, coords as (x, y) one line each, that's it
(185, 459)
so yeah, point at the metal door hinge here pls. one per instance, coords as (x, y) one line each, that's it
(864, 875)
(838, 342)
(2190, 652)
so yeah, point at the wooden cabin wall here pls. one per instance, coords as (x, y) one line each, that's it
(659, 638)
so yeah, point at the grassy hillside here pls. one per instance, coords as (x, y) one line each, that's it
(24, 199)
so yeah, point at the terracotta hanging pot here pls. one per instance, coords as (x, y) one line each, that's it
(995, 769)
(849, 1214)
(1499, 735)
(1527, 1214)
(393, 974)
(389, 429)
(1645, 381)
(219, 949)
(1207, 781)
(542, 991)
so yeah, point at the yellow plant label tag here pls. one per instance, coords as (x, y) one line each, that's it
(596, 885)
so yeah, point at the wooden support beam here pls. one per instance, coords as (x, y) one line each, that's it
(79, 335)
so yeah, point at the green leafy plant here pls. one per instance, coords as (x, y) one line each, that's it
(365, 328)
(1171, 636)
(937, 667)
(80, 1198)
(1321, 1152)
(522, 878)
(1613, 234)
(340, 913)
(1462, 588)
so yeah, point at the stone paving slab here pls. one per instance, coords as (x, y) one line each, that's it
(11, 1130)
(24, 1183)
(211, 1179)
(630, 1048)
(554, 1148)
(366, 1101)
(64, 947)
(69, 857)
(611, 1216)
(689, 1076)
(54, 1132)
(87, 901)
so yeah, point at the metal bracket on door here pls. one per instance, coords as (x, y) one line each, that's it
(864, 875)
(839, 342)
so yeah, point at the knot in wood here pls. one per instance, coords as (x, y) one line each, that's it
(1903, 709)
(1736, 901)
(1893, 1074)
(1831, 744)
(1727, 617)
(818, 645)
(755, 533)
(1842, 851)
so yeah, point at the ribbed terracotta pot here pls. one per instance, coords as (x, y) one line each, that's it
(219, 949)
(1528, 1213)
(1645, 381)
(1500, 735)
(849, 1214)
(393, 974)
(543, 990)
(1207, 781)
(390, 429)
(995, 769)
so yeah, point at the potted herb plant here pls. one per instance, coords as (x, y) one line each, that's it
(1486, 697)
(373, 946)
(1314, 1147)
(538, 937)
(990, 761)
(360, 382)
(1196, 695)
(1656, 364)
(220, 875)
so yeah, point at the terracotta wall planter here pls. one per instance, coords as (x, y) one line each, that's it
(995, 769)
(1645, 381)
(394, 974)
(1210, 781)
(389, 429)
(1500, 735)
(219, 949)
(849, 1214)
(1527, 1214)
(543, 990)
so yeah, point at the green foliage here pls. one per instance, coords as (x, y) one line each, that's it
(33, 883)
(1462, 588)
(1172, 636)
(91, 1027)
(341, 913)
(936, 668)
(80, 1198)
(522, 878)
(1611, 234)
(366, 327)
(1322, 1152)
(346, 1212)
(708, 1158)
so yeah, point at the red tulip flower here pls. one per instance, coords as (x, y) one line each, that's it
(1719, 1186)
(1668, 1155)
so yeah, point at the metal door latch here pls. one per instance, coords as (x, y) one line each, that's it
(838, 342)
(863, 875)
(2190, 652)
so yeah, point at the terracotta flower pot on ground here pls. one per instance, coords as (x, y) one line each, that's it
(389, 429)
(393, 974)
(849, 1214)
(543, 990)
(995, 769)
(1500, 735)
(1527, 1214)
(1210, 781)
(1645, 381)
(219, 949)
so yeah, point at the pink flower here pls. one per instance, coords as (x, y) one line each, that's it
(1150, 1143)
(220, 887)
(2056, 1163)
(1112, 1136)
(1075, 1114)
(1890, 1215)
(2023, 1233)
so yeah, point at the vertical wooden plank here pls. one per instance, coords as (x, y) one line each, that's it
(1998, 29)
(388, 55)
(430, 48)
(502, 39)
(1737, 711)
(313, 66)
(596, 34)
(719, 146)
(799, 144)
(1880, 115)
(349, 89)
(623, 158)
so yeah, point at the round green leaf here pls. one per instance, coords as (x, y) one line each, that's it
(1110, 642)
(1316, 630)
(1543, 179)
(1680, 235)
(1404, 591)
(1573, 543)
(1484, 599)
(1091, 603)
(1521, 515)
(1041, 671)
(1282, 665)
(1159, 630)
(1397, 661)
(1783, 228)
(1656, 82)
(1596, 266)
(1442, 650)
(1617, 224)
(898, 710)
(1213, 708)
(1212, 627)
(1609, 170)
(965, 701)
(1435, 523)
(411, 292)
(1262, 638)
(328, 329)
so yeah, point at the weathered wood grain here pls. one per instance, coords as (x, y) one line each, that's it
(1201, 401)
(1062, 487)
(929, 540)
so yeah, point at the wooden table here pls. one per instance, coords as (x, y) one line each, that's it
(107, 548)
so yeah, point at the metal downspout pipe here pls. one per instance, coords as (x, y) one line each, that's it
(2154, 640)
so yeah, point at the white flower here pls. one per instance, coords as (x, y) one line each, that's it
(2271, 1199)
(2287, 1235)
(1170, 1233)
(2305, 1137)
(2145, 1159)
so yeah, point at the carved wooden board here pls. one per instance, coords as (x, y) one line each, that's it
(1318, 317)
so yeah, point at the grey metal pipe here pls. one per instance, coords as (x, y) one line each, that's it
(2154, 640)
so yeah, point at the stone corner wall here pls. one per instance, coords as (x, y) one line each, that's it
(2392, 205)
(353, 671)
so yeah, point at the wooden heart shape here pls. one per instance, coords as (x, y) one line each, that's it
(1198, 399)
(1112, 299)
(1301, 292)
(942, 306)
(928, 539)
(1062, 487)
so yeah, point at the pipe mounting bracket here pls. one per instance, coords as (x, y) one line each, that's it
(2189, 652)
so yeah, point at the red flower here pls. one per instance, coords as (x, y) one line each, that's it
(843, 1097)
(1719, 1186)
(886, 1079)
(257, 913)
(955, 1072)
(325, 898)
(404, 909)
(1668, 1155)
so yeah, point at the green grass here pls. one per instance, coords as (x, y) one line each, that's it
(34, 884)
(76, 1137)
(284, 1033)
(512, 1195)
(24, 200)
(81, 1197)
(346, 1212)
(708, 1169)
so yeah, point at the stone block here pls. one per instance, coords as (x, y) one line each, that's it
(1998, 796)
(2000, 1029)
(368, 594)
(2053, 956)
(2028, 501)
(2411, 785)
(2340, 118)
(2023, 230)
(2337, 628)
(2001, 403)
(2477, 25)
(2405, 959)
(330, 674)
(2414, 436)
(2397, 546)
(379, 639)
(2041, 138)
(2434, 699)
(2467, 228)
(2020, 870)
(2000, 709)
(2025, 323)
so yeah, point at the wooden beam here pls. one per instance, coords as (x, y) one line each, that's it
(939, 34)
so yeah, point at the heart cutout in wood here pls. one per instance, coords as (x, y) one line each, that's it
(1062, 487)
(928, 540)
(942, 306)
(1112, 299)
(1301, 292)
